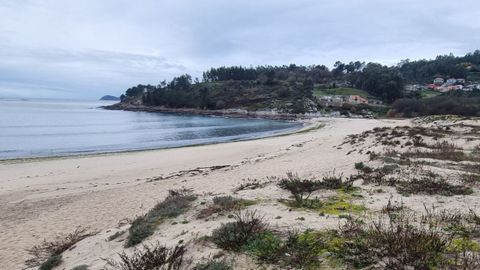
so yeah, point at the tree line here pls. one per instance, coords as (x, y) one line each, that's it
(293, 82)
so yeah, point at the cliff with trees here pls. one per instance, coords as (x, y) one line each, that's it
(289, 88)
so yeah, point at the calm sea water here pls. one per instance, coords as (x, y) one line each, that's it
(40, 128)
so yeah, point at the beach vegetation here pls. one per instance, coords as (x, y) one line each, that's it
(302, 189)
(222, 204)
(234, 235)
(251, 184)
(431, 186)
(80, 267)
(51, 263)
(213, 265)
(338, 204)
(50, 250)
(115, 235)
(175, 204)
(150, 257)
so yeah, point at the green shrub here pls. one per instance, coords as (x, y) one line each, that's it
(80, 267)
(115, 235)
(332, 182)
(54, 248)
(251, 184)
(427, 185)
(470, 179)
(302, 189)
(396, 242)
(156, 257)
(226, 202)
(362, 167)
(234, 235)
(223, 204)
(359, 165)
(303, 250)
(213, 265)
(176, 203)
(51, 263)
(298, 250)
(265, 246)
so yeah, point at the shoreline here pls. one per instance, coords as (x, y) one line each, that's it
(231, 113)
(52, 196)
(306, 127)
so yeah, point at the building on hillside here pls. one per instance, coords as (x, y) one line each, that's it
(355, 99)
(461, 81)
(451, 81)
(413, 87)
(438, 81)
(448, 88)
(331, 101)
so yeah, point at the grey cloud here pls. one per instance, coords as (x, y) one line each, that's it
(98, 46)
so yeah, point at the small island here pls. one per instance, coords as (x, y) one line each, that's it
(109, 98)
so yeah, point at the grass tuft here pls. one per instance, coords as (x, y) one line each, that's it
(46, 250)
(176, 203)
(302, 189)
(213, 265)
(51, 263)
(429, 186)
(224, 204)
(234, 235)
(156, 257)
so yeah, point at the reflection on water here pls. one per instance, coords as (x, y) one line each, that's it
(34, 128)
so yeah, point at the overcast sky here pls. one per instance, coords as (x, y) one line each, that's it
(88, 48)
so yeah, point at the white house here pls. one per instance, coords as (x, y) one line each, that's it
(438, 81)
(451, 81)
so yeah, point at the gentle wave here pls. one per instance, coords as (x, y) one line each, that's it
(42, 128)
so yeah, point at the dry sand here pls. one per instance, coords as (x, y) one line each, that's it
(44, 197)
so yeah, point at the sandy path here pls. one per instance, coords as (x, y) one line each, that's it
(41, 198)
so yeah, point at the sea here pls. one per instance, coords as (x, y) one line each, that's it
(31, 128)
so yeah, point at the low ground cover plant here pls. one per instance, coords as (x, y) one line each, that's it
(234, 235)
(302, 189)
(154, 257)
(224, 204)
(213, 265)
(175, 204)
(430, 186)
(48, 253)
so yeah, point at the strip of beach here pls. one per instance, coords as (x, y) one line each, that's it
(41, 198)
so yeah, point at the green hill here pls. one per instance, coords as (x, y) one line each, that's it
(339, 91)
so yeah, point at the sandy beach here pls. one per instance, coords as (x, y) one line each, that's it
(41, 198)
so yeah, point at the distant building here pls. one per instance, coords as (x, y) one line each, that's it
(438, 81)
(330, 101)
(451, 81)
(355, 99)
(461, 81)
(413, 87)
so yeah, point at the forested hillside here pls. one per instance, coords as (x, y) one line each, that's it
(289, 88)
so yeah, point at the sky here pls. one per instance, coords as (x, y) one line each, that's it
(89, 48)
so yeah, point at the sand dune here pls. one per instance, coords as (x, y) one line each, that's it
(44, 197)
